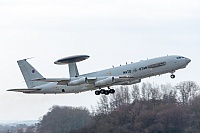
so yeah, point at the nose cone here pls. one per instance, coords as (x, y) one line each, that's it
(187, 60)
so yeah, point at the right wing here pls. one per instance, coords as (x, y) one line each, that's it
(25, 90)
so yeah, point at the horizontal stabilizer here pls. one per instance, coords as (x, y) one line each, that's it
(25, 90)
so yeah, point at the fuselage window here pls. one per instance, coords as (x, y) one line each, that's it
(157, 65)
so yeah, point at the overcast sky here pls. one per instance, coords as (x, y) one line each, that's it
(112, 32)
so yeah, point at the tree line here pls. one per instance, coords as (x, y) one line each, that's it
(143, 108)
(149, 108)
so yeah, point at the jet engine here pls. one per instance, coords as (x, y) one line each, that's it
(77, 81)
(104, 82)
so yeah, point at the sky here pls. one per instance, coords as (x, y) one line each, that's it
(111, 32)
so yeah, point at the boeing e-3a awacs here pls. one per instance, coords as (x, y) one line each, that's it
(122, 75)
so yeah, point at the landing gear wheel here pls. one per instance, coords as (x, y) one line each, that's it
(107, 92)
(97, 92)
(102, 91)
(172, 76)
(112, 91)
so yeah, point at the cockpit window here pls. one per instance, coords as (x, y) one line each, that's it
(180, 57)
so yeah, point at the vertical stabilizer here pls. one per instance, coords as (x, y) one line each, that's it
(73, 70)
(29, 73)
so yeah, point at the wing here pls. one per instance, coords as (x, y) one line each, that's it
(100, 82)
(25, 90)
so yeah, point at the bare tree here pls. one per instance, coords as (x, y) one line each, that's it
(188, 90)
(103, 105)
(120, 97)
(115, 100)
(135, 93)
(125, 95)
(155, 92)
(169, 93)
(166, 88)
(146, 91)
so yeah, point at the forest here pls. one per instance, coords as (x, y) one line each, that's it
(143, 108)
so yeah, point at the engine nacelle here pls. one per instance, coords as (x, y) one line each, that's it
(105, 82)
(78, 81)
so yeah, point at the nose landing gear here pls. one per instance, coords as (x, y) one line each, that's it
(172, 76)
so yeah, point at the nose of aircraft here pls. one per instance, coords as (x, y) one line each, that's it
(187, 60)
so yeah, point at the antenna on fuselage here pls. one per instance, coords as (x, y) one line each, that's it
(71, 61)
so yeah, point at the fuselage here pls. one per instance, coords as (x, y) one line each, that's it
(134, 73)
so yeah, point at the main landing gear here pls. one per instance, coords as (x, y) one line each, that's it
(106, 92)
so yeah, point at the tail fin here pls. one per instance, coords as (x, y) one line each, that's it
(29, 73)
